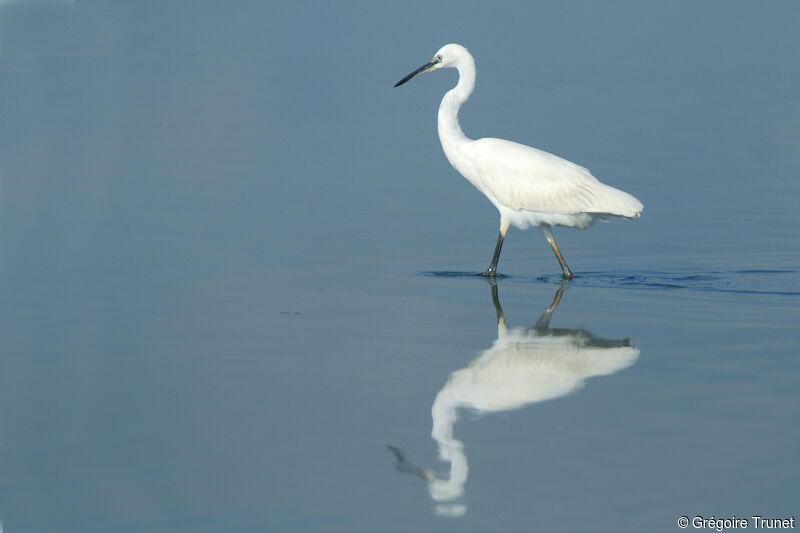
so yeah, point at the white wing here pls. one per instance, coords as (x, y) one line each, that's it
(524, 178)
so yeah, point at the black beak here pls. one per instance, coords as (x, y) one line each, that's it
(421, 70)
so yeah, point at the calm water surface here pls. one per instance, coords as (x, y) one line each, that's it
(233, 270)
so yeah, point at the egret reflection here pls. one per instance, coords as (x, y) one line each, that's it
(522, 367)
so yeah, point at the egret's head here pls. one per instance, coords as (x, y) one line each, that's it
(451, 54)
(448, 56)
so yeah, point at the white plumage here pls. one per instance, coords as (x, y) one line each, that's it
(529, 187)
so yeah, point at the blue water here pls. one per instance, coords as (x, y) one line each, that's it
(237, 286)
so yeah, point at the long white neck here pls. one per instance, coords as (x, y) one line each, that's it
(450, 133)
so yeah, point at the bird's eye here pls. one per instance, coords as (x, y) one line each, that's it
(439, 58)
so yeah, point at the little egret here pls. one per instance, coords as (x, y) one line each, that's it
(529, 187)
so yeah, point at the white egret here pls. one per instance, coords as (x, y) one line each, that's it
(529, 187)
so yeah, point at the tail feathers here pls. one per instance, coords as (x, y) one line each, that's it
(621, 204)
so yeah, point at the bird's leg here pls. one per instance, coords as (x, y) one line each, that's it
(549, 236)
(492, 270)
(544, 320)
(496, 301)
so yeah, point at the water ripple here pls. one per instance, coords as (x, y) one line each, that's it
(458, 274)
(750, 281)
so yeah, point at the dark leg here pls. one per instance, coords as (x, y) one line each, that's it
(549, 236)
(492, 270)
(496, 300)
(501, 321)
(544, 321)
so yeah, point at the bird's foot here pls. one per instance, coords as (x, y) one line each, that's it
(491, 274)
(568, 276)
